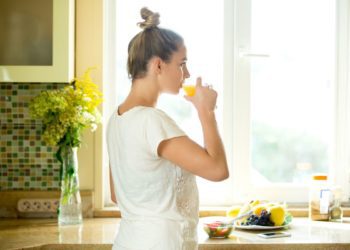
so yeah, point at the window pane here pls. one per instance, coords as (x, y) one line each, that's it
(202, 29)
(292, 89)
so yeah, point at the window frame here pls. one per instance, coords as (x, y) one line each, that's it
(236, 109)
(340, 174)
(239, 117)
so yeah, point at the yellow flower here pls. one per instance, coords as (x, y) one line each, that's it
(65, 113)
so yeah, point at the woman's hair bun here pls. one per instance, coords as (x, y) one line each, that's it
(151, 19)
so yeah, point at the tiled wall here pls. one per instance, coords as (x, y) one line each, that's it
(25, 162)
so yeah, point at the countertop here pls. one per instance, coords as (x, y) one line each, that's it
(98, 233)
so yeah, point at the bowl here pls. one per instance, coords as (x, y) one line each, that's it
(217, 227)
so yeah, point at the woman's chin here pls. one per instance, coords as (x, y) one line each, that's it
(173, 92)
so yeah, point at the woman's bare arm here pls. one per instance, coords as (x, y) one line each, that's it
(209, 161)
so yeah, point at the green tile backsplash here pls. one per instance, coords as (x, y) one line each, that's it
(25, 162)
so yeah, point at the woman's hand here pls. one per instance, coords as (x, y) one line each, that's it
(205, 97)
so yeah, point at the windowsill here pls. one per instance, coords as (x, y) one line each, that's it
(209, 211)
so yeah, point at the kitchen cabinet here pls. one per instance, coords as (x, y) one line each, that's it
(37, 40)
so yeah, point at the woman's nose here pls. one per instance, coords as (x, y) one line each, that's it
(187, 73)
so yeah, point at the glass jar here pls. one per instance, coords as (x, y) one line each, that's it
(335, 211)
(319, 198)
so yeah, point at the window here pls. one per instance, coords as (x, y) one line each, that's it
(287, 108)
(281, 73)
(292, 89)
(205, 58)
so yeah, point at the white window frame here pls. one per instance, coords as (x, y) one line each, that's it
(237, 95)
(340, 174)
(110, 87)
(236, 110)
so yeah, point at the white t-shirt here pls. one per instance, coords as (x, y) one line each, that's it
(157, 199)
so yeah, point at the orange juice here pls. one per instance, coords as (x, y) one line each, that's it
(190, 90)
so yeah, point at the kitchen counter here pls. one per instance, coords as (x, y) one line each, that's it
(98, 233)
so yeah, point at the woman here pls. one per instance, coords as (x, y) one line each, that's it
(153, 163)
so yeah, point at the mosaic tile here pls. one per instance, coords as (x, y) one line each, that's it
(26, 163)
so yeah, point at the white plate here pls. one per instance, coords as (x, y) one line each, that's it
(257, 227)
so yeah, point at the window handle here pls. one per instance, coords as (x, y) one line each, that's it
(253, 55)
(243, 53)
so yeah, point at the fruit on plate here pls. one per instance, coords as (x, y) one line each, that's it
(277, 214)
(233, 211)
(217, 229)
(263, 214)
(248, 206)
(262, 220)
(258, 209)
(254, 203)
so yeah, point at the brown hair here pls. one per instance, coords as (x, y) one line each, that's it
(152, 41)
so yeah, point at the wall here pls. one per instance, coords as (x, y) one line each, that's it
(26, 163)
(89, 52)
(28, 168)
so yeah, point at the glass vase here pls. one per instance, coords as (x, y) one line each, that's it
(70, 209)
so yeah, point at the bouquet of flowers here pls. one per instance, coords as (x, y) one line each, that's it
(65, 113)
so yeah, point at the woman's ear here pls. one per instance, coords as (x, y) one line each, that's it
(156, 65)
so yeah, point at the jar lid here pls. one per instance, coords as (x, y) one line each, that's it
(320, 177)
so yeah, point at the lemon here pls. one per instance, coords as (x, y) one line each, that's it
(277, 214)
(233, 211)
(258, 208)
(253, 203)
